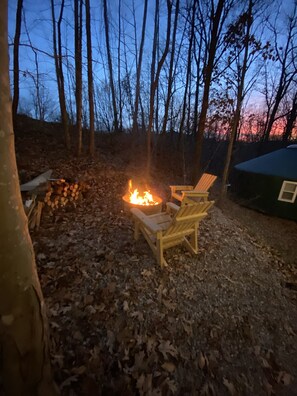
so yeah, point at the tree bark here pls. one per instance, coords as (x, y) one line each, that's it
(155, 76)
(197, 89)
(90, 79)
(59, 71)
(119, 71)
(291, 120)
(239, 100)
(189, 67)
(138, 71)
(24, 358)
(216, 18)
(170, 76)
(16, 67)
(288, 71)
(110, 69)
(78, 71)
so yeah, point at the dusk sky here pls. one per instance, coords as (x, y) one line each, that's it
(37, 28)
(37, 31)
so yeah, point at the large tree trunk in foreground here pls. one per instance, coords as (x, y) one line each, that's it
(24, 356)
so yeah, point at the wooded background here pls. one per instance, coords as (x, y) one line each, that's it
(205, 69)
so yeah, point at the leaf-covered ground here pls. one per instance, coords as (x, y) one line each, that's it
(220, 323)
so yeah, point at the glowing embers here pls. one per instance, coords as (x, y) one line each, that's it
(146, 198)
(143, 199)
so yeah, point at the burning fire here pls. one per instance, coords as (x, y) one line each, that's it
(137, 199)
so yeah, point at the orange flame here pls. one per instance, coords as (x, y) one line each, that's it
(137, 199)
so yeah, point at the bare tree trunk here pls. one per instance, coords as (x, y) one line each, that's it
(155, 76)
(119, 71)
(110, 69)
(138, 71)
(90, 79)
(59, 71)
(288, 73)
(39, 113)
(188, 123)
(78, 71)
(239, 100)
(24, 358)
(16, 67)
(197, 90)
(291, 119)
(216, 18)
(170, 76)
(189, 66)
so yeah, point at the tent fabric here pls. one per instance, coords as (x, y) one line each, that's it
(281, 163)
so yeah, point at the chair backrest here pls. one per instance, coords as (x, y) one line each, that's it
(205, 182)
(186, 217)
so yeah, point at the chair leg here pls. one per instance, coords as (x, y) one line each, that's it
(192, 244)
(194, 239)
(160, 254)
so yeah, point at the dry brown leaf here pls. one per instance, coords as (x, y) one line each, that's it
(289, 329)
(168, 366)
(146, 273)
(208, 390)
(100, 308)
(79, 370)
(144, 384)
(110, 340)
(169, 304)
(202, 360)
(138, 315)
(139, 361)
(172, 385)
(264, 363)
(166, 347)
(125, 306)
(88, 299)
(257, 350)
(188, 328)
(140, 383)
(68, 381)
(268, 387)
(284, 378)
(229, 385)
(150, 344)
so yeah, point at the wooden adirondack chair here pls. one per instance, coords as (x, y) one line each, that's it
(197, 193)
(178, 225)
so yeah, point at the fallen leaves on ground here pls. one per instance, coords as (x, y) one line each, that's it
(215, 324)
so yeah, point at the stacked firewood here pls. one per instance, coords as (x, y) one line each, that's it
(62, 192)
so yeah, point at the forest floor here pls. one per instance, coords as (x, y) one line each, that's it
(221, 323)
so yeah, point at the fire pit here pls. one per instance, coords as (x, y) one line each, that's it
(145, 201)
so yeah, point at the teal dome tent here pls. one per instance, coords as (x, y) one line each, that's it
(269, 183)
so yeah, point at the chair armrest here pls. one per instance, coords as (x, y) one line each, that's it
(143, 218)
(171, 207)
(194, 193)
(180, 188)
